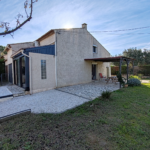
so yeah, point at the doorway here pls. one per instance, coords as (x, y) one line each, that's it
(19, 71)
(93, 72)
(10, 73)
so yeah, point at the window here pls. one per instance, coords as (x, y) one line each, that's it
(43, 69)
(94, 49)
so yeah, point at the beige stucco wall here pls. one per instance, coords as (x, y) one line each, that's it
(48, 41)
(72, 48)
(8, 57)
(39, 84)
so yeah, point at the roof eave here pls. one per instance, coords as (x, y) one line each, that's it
(39, 39)
(16, 53)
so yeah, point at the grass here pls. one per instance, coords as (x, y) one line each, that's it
(122, 123)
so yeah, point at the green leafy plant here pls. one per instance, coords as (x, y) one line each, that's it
(134, 82)
(140, 76)
(106, 94)
(134, 77)
(121, 79)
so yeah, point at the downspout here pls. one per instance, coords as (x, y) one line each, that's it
(30, 71)
(56, 58)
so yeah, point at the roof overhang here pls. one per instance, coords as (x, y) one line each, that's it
(110, 59)
(7, 48)
(20, 51)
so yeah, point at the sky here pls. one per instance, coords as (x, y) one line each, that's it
(100, 15)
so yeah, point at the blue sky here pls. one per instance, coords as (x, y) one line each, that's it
(100, 15)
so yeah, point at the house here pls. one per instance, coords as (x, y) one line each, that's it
(58, 58)
(11, 49)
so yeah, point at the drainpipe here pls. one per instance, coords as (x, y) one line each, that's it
(30, 71)
(56, 58)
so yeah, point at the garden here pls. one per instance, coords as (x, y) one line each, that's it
(118, 120)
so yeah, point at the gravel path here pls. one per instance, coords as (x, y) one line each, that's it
(4, 91)
(51, 101)
(90, 90)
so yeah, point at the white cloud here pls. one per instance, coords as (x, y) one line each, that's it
(98, 14)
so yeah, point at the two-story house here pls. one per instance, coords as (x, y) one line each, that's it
(59, 58)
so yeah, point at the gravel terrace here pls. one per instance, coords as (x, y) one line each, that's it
(15, 89)
(54, 101)
(51, 101)
(90, 90)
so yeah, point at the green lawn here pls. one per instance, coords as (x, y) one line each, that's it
(121, 123)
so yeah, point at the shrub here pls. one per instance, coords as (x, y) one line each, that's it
(134, 82)
(134, 77)
(121, 79)
(140, 76)
(106, 94)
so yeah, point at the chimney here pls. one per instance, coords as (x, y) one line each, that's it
(36, 43)
(84, 26)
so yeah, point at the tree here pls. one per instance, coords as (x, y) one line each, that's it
(141, 57)
(1, 50)
(6, 25)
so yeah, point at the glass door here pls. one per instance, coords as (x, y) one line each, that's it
(23, 71)
(18, 72)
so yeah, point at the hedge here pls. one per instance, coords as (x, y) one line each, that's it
(115, 70)
(144, 69)
(2, 66)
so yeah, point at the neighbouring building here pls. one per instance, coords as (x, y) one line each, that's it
(61, 57)
(11, 49)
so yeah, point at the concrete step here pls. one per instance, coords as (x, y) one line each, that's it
(5, 98)
(19, 94)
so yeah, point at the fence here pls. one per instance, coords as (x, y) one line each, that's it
(115, 70)
(144, 70)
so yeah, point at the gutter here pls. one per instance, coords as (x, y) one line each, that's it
(30, 71)
(56, 57)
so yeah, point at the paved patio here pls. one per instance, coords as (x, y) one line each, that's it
(90, 90)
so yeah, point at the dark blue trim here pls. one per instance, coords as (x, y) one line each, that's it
(18, 55)
(6, 96)
(27, 78)
(49, 50)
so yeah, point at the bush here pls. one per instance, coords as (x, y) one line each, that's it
(106, 94)
(134, 77)
(2, 66)
(134, 82)
(121, 79)
(140, 76)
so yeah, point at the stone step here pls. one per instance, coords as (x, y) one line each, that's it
(3, 99)
(19, 94)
